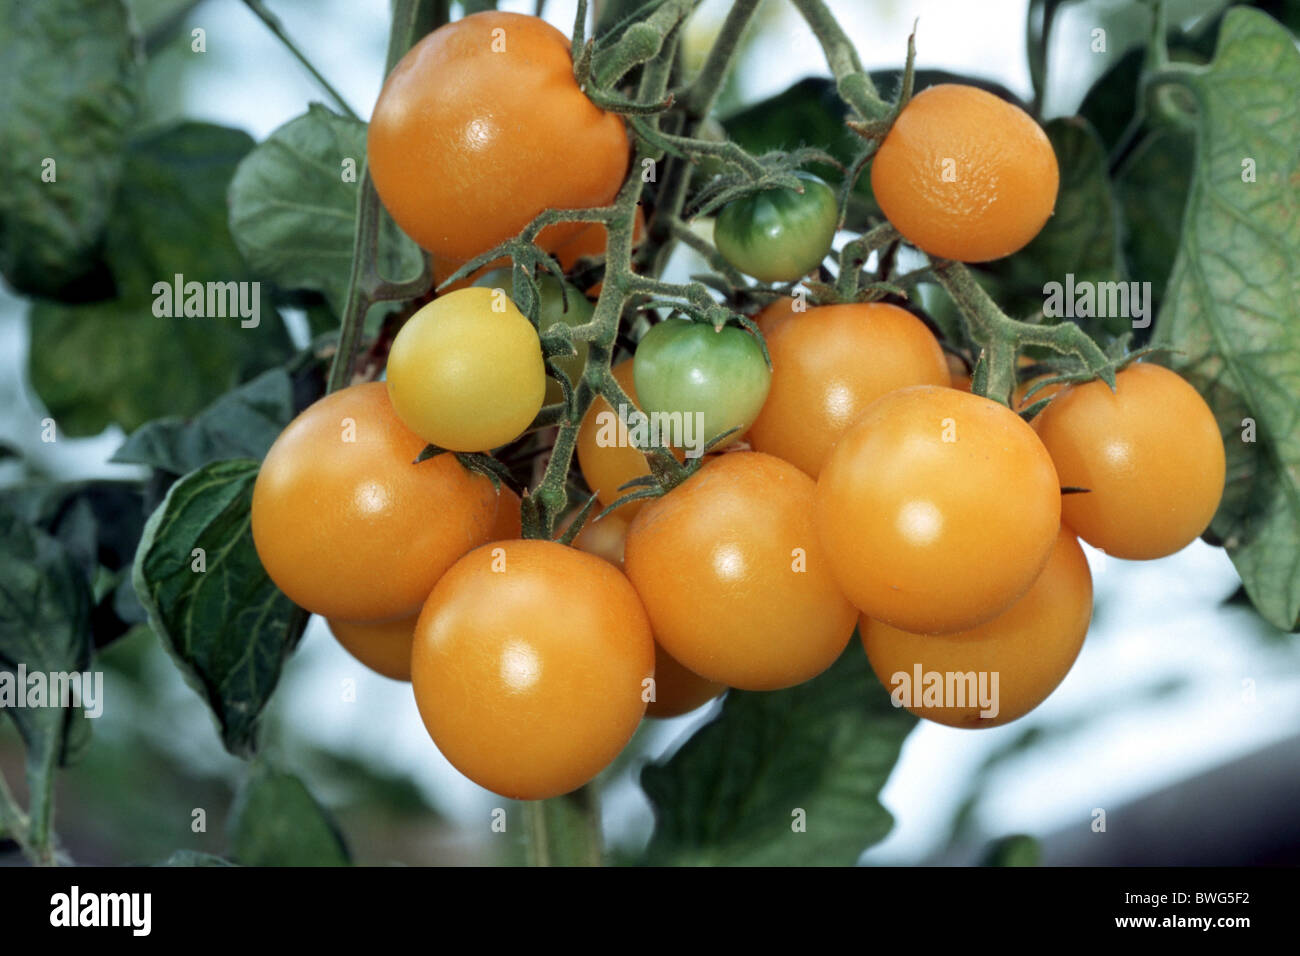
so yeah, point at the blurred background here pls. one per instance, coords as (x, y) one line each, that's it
(1181, 719)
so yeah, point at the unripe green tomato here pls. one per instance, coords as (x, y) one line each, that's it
(779, 235)
(551, 308)
(690, 367)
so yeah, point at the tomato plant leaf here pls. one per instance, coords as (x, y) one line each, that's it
(199, 578)
(275, 821)
(1152, 188)
(44, 632)
(69, 95)
(240, 424)
(1232, 308)
(120, 360)
(733, 793)
(293, 207)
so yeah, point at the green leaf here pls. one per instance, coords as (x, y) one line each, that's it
(275, 821)
(732, 793)
(99, 524)
(119, 361)
(1232, 308)
(293, 214)
(1152, 189)
(1081, 237)
(227, 626)
(69, 94)
(240, 424)
(44, 630)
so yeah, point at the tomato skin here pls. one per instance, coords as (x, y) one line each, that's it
(690, 367)
(937, 509)
(1151, 454)
(480, 127)
(828, 365)
(466, 373)
(606, 467)
(529, 665)
(965, 175)
(1030, 646)
(779, 235)
(557, 304)
(677, 690)
(509, 520)
(736, 583)
(347, 525)
(383, 646)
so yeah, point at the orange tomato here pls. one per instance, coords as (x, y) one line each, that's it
(735, 580)
(383, 646)
(481, 127)
(965, 175)
(345, 522)
(509, 521)
(1027, 649)
(529, 665)
(938, 509)
(1149, 453)
(828, 365)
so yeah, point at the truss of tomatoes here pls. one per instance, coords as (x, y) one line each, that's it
(857, 488)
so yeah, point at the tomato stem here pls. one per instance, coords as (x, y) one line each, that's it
(276, 27)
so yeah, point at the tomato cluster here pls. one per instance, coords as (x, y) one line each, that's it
(853, 484)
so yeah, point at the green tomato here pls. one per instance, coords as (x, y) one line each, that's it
(689, 367)
(550, 310)
(779, 235)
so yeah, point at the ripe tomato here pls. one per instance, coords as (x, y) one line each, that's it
(1150, 455)
(735, 580)
(347, 525)
(677, 690)
(557, 303)
(480, 127)
(958, 373)
(383, 646)
(1029, 648)
(965, 175)
(529, 664)
(466, 371)
(606, 457)
(779, 235)
(1020, 402)
(828, 365)
(718, 378)
(937, 509)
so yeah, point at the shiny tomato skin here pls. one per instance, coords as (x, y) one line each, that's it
(1150, 454)
(529, 666)
(734, 578)
(383, 646)
(345, 522)
(1030, 646)
(828, 365)
(937, 509)
(480, 127)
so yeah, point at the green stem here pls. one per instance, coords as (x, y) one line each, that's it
(13, 822)
(565, 831)
(1000, 336)
(273, 24)
(852, 81)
